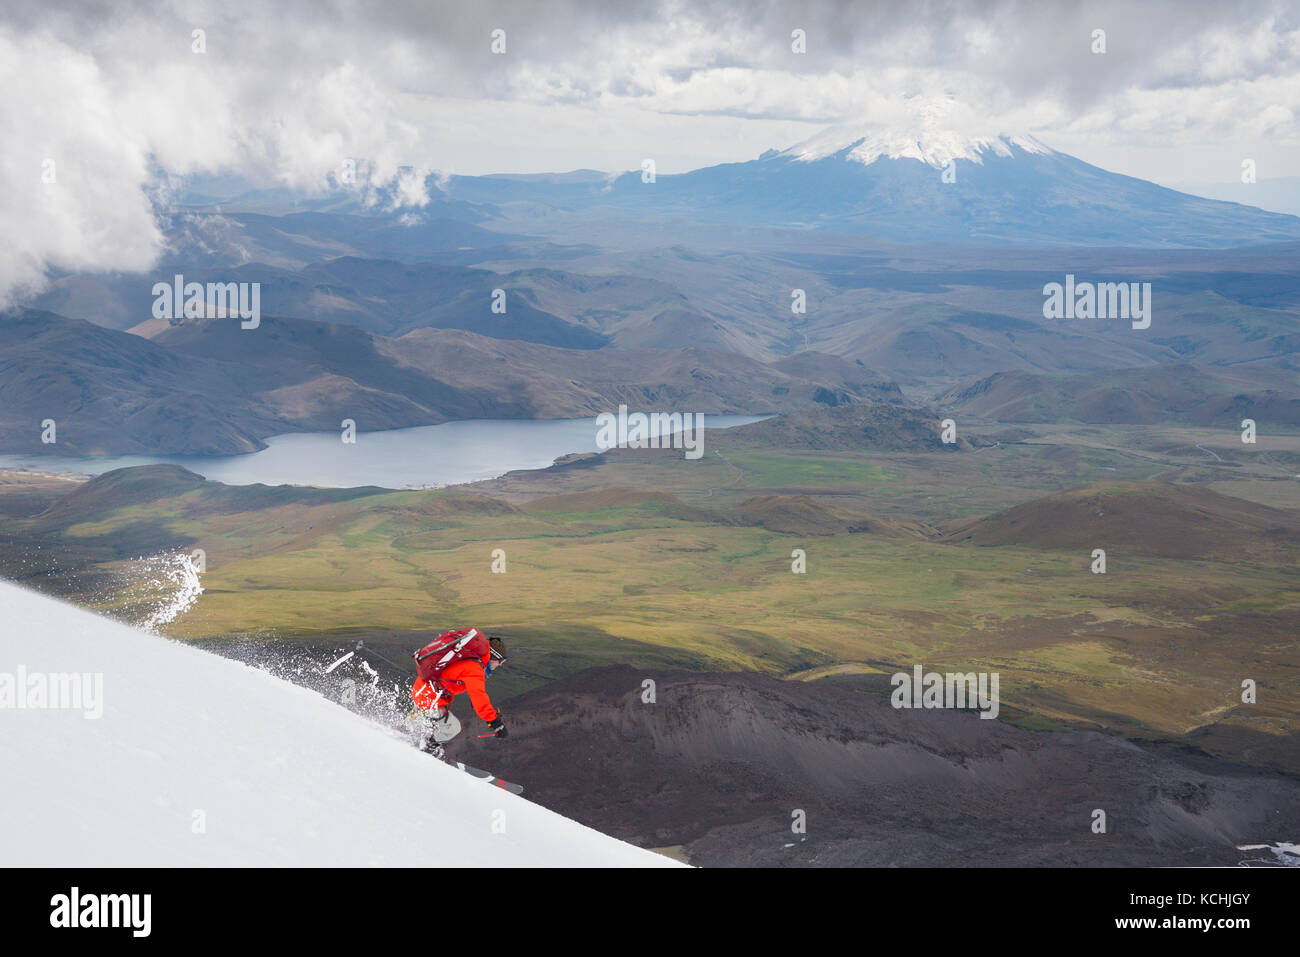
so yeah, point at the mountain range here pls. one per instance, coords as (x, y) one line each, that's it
(922, 185)
(929, 186)
(1178, 392)
(206, 386)
(787, 281)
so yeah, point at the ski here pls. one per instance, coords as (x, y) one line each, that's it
(483, 775)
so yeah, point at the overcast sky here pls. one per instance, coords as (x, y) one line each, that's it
(287, 90)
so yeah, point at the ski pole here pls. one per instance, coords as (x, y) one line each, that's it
(360, 645)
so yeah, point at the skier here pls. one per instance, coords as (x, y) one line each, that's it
(456, 662)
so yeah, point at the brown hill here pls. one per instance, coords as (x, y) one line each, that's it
(860, 427)
(802, 515)
(113, 393)
(545, 382)
(1148, 518)
(145, 484)
(122, 488)
(1148, 395)
(822, 367)
(207, 386)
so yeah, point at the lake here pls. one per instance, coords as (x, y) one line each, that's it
(446, 454)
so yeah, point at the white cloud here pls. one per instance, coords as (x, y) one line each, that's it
(121, 104)
(287, 92)
(61, 125)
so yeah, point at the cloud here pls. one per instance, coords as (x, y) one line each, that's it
(63, 207)
(98, 114)
(288, 92)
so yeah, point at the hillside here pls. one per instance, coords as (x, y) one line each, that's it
(544, 305)
(553, 383)
(653, 503)
(190, 493)
(688, 565)
(1146, 518)
(803, 515)
(109, 392)
(859, 427)
(207, 386)
(275, 775)
(1152, 395)
(720, 760)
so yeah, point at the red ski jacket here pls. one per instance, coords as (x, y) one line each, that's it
(466, 675)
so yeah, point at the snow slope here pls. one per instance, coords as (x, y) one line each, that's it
(280, 775)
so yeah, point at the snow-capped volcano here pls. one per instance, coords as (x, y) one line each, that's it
(933, 147)
(927, 183)
(917, 183)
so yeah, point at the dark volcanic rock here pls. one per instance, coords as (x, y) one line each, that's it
(720, 763)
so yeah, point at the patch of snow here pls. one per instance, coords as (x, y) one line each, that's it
(1284, 854)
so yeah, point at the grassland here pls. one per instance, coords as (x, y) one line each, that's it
(1155, 649)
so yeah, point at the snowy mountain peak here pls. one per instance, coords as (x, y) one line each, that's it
(933, 147)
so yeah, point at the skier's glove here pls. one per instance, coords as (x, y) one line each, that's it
(497, 727)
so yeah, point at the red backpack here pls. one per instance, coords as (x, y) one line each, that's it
(450, 646)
